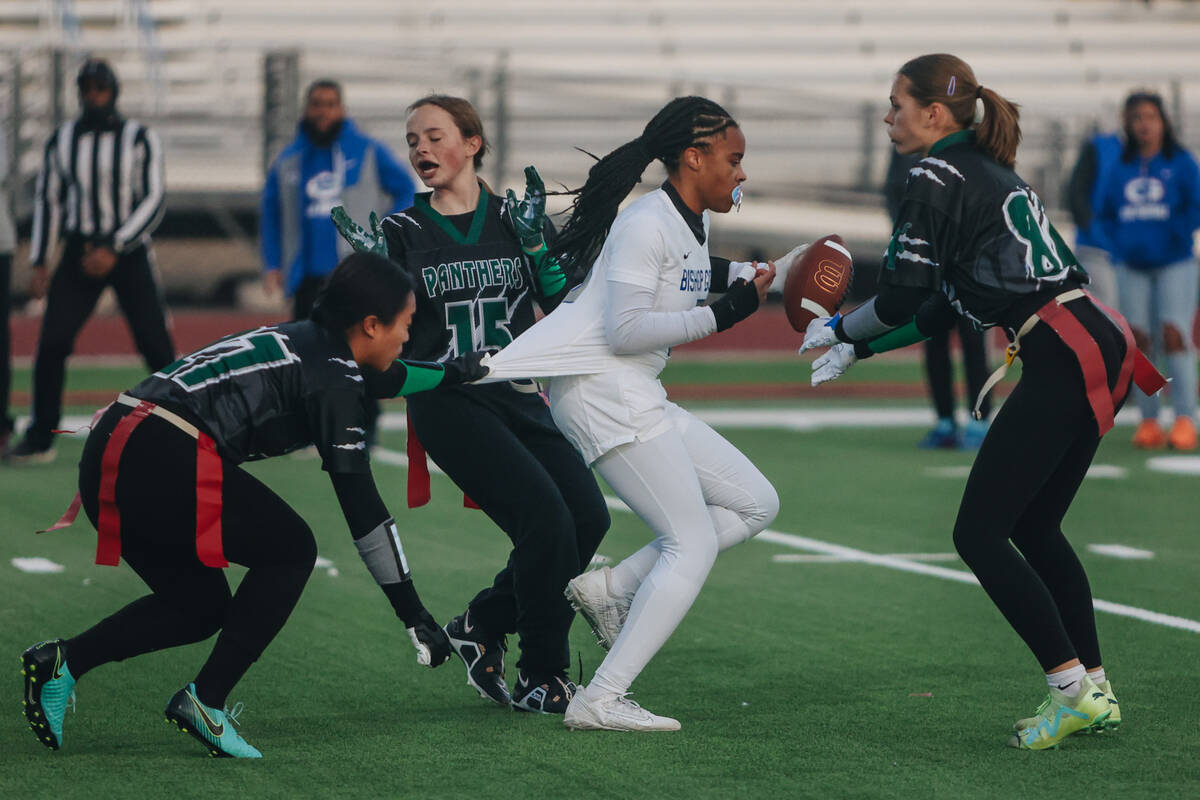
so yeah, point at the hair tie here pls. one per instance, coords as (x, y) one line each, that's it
(979, 92)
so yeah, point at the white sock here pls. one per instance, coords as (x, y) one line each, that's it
(1097, 675)
(1068, 681)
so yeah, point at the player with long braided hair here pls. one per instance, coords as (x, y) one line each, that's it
(972, 238)
(604, 348)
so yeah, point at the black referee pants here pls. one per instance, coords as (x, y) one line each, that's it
(1035, 456)
(189, 602)
(502, 448)
(70, 301)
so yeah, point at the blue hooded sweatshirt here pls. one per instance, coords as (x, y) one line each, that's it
(306, 181)
(1150, 209)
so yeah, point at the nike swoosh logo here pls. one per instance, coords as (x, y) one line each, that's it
(467, 626)
(57, 672)
(685, 255)
(213, 728)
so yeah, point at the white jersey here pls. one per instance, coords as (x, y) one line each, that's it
(649, 245)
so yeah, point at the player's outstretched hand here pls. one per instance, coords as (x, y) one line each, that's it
(820, 334)
(529, 214)
(433, 648)
(833, 363)
(466, 368)
(360, 238)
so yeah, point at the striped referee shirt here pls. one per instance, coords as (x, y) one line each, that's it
(100, 182)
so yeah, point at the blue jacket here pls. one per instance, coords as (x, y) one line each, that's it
(306, 181)
(1107, 147)
(1150, 209)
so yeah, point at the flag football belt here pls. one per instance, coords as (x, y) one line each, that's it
(1091, 362)
(209, 476)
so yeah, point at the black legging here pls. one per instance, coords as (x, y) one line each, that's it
(1028, 470)
(501, 447)
(156, 497)
(939, 374)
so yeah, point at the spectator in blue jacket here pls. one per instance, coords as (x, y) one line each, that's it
(330, 162)
(1150, 211)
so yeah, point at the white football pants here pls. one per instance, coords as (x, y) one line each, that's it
(699, 495)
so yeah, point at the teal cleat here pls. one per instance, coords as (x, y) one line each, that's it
(212, 728)
(49, 689)
(1059, 716)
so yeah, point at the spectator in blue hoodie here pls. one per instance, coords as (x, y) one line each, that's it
(330, 163)
(1097, 155)
(1150, 211)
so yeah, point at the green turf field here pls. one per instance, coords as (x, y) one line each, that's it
(811, 679)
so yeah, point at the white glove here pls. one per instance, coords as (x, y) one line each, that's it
(819, 333)
(833, 363)
(742, 270)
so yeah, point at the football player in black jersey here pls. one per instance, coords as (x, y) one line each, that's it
(159, 478)
(973, 238)
(479, 264)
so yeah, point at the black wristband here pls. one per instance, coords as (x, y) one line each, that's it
(735, 305)
(405, 601)
(863, 350)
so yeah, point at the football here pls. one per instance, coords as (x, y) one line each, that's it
(816, 284)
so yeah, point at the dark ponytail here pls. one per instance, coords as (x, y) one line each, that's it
(682, 123)
(362, 285)
(946, 79)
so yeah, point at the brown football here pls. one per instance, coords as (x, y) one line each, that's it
(816, 284)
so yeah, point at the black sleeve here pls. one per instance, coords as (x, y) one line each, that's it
(337, 422)
(896, 305)
(1079, 188)
(361, 504)
(922, 241)
(720, 273)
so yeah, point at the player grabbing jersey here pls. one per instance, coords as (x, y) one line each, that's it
(972, 237)
(159, 478)
(480, 268)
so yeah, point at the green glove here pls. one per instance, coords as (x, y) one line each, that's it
(529, 215)
(362, 240)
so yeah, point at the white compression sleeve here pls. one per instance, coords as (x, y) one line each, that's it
(632, 327)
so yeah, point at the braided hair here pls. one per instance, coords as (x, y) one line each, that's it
(682, 123)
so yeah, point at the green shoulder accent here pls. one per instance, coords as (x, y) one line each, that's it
(472, 237)
(420, 377)
(895, 339)
(957, 137)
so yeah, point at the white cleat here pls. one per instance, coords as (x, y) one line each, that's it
(590, 711)
(591, 595)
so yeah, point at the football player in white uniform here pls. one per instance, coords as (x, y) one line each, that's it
(604, 348)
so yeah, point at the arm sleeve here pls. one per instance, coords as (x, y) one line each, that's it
(891, 308)
(403, 378)
(934, 315)
(148, 213)
(720, 273)
(359, 498)
(631, 327)
(268, 221)
(47, 204)
(1079, 188)
(394, 178)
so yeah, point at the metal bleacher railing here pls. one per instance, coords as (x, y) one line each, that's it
(220, 79)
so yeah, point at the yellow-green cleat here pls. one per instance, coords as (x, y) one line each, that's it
(1113, 720)
(1061, 715)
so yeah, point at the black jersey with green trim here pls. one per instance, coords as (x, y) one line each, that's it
(474, 283)
(973, 229)
(268, 391)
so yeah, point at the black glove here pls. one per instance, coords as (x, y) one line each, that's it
(465, 369)
(736, 304)
(433, 646)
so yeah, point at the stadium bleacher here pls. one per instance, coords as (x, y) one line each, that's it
(806, 79)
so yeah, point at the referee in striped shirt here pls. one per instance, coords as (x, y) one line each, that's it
(101, 187)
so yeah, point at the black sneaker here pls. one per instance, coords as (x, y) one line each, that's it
(484, 657)
(30, 451)
(548, 694)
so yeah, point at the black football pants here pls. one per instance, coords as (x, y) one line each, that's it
(189, 602)
(70, 300)
(502, 449)
(939, 373)
(1035, 456)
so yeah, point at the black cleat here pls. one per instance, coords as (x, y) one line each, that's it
(484, 657)
(542, 694)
